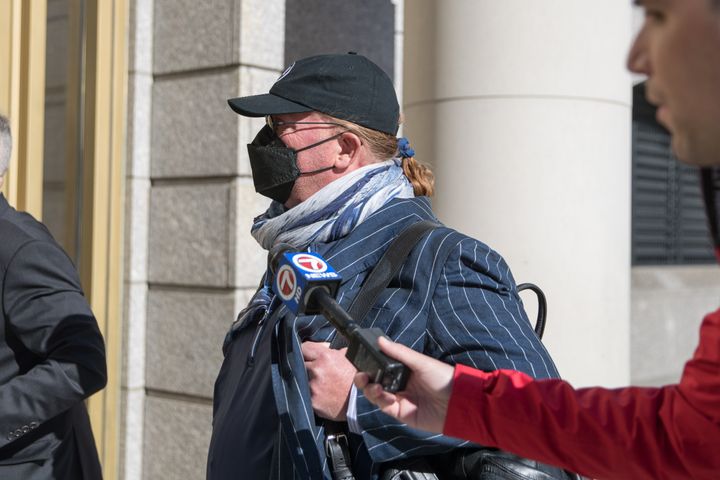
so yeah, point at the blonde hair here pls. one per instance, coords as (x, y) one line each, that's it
(384, 147)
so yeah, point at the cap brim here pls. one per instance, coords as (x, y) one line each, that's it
(265, 104)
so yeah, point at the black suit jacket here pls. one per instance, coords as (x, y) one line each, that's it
(52, 357)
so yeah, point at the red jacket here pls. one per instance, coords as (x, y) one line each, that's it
(671, 432)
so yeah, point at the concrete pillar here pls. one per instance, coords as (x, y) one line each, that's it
(192, 263)
(523, 110)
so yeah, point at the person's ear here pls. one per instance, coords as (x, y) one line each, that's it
(350, 146)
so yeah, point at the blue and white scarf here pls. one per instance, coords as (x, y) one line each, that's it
(335, 210)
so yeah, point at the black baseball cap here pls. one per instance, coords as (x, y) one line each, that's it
(345, 86)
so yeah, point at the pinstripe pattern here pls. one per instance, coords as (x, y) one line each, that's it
(466, 310)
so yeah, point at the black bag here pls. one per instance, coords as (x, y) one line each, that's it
(475, 464)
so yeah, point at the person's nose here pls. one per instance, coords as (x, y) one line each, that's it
(638, 60)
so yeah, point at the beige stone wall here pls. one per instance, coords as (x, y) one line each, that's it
(524, 113)
(190, 261)
(668, 304)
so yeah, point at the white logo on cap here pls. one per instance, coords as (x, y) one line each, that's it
(284, 74)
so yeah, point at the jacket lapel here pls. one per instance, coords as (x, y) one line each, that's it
(4, 205)
(362, 248)
(350, 256)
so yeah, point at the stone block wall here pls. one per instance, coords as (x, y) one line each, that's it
(668, 305)
(190, 263)
(190, 260)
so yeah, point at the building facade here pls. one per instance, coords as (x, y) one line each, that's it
(128, 151)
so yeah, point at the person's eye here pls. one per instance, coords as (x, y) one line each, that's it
(654, 15)
(284, 127)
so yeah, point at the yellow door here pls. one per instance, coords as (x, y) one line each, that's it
(63, 71)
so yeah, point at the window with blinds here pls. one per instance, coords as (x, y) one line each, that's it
(668, 219)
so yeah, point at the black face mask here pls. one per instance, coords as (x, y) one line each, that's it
(274, 165)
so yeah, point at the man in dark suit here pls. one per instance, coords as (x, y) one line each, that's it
(52, 355)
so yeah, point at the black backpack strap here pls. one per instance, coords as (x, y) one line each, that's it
(337, 451)
(388, 265)
(542, 307)
(378, 279)
(472, 463)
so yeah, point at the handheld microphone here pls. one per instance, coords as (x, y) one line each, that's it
(307, 285)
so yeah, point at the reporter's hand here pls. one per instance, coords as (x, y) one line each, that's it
(423, 404)
(331, 376)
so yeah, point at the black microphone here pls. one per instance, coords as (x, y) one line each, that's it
(307, 285)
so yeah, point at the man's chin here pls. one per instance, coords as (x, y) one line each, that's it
(662, 116)
(697, 154)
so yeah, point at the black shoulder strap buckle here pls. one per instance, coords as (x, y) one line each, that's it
(338, 452)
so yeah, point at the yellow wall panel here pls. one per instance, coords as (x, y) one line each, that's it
(22, 97)
(103, 83)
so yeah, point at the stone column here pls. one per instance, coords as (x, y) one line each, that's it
(137, 194)
(192, 263)
(523, 110)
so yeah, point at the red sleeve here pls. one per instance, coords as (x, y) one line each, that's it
(641, 433)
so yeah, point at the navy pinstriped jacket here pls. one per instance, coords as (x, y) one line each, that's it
(466, 310)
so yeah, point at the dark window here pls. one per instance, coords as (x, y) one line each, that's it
(314, 27)
(668, 219)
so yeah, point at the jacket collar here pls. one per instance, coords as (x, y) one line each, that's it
(4, 205)
(710, 188)
(363, 247)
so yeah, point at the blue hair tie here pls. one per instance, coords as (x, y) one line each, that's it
(404, 148)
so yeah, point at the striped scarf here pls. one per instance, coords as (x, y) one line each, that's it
(334, 210)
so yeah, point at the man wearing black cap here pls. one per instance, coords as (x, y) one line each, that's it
(344, 186)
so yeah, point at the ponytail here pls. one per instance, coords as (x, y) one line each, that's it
(385, 146)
